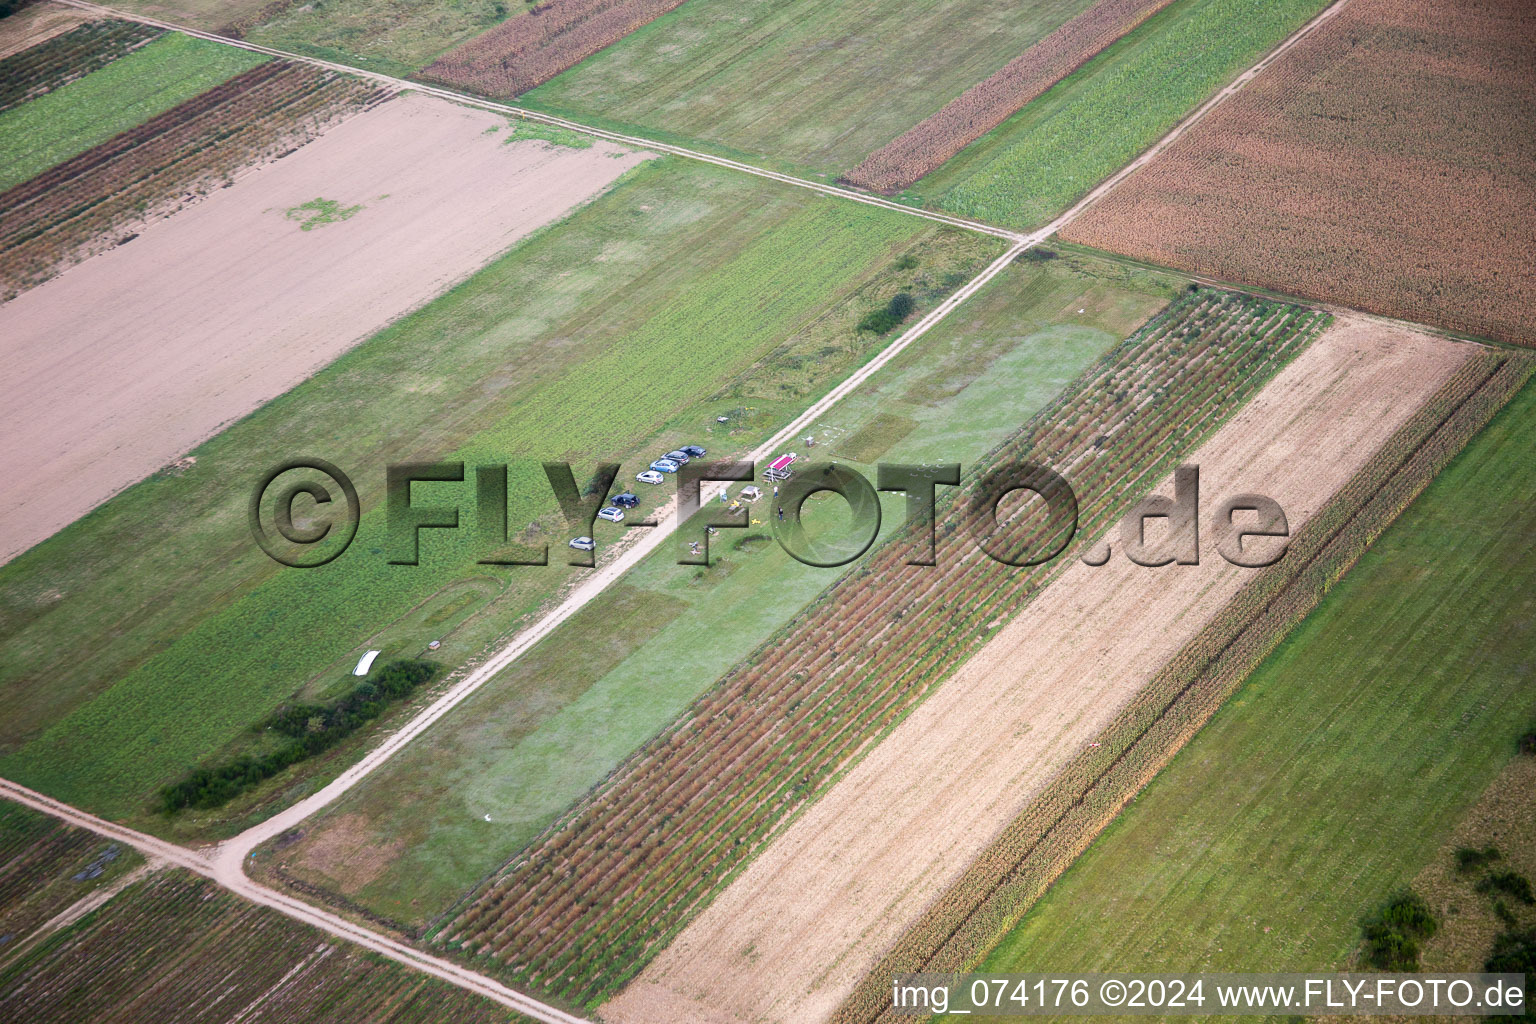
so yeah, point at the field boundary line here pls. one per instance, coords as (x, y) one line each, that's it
(298, 910)
(505, 107)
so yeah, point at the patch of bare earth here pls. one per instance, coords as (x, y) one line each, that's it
(349, 853)
(1387, 162)
(790, 938)
(128, 360)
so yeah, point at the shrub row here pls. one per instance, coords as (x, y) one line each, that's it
(529, 49)
(310, 728)
(988, 900)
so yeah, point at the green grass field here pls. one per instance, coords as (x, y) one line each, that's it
(1095, 121)
(153, 634)
(127, 92)
(391, 36)
(811, 85)
(555, 723)
(1341, 766)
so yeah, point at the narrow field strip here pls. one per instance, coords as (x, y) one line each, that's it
(924, 147)
(125, 92)
(1089, 792)
(72, 54)
(531, 48)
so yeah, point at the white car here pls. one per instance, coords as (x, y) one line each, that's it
(650, 476)
(612, 513)
(584, 544)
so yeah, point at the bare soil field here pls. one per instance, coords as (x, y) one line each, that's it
(534, 47)
(37, 24)
(792, 936)
(990, 102)
(126, 361)
(1388, 162)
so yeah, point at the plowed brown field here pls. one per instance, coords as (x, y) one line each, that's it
(1388, 162)
(789, 939)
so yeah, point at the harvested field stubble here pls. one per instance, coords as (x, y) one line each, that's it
(88, 203)
(532, 48)
(959, 929)
(1387, 162)
(585, 908)
(989, 103)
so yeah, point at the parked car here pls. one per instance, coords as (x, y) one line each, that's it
(650, 476)
(666, 466)
(583, 543)
(625, 500)
(694, 451)
(680, 457)
(612, 514)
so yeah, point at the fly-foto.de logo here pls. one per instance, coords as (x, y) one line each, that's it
(306, 512)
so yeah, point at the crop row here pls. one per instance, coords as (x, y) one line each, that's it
(66, 57)
(587, 905)
(532, 48)
(1002, 883)
(987, 104)
(37, 857)
(84, 204)
(175, 947)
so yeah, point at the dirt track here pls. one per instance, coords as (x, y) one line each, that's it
(129, 360)
(803, 924)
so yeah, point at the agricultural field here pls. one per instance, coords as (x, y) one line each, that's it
(562, 348)
(395, 37)
(35, 24)
(62, 57)
(810, 85)
(111, 192)
(899, 829)
(1407, 192)
(404, 846)
(1341, 768)
(412, 180)
(1096, 120)
(925, 147)
(731, 769)
(151, 943)
(145, 81)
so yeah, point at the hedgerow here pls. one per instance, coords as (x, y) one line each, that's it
(311, 729)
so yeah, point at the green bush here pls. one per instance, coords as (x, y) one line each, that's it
(888, 317)
(1508, 883)
(1392, 936)
(1528, 743)
(1514, 952)
(311, 729)
(1469, 860)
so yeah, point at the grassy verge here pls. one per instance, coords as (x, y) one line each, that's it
(1343, 763)
(557, 721)
(683, 293)
(1092, 123)
(124, 93)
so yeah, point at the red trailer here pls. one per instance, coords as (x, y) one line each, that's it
(778, 470)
